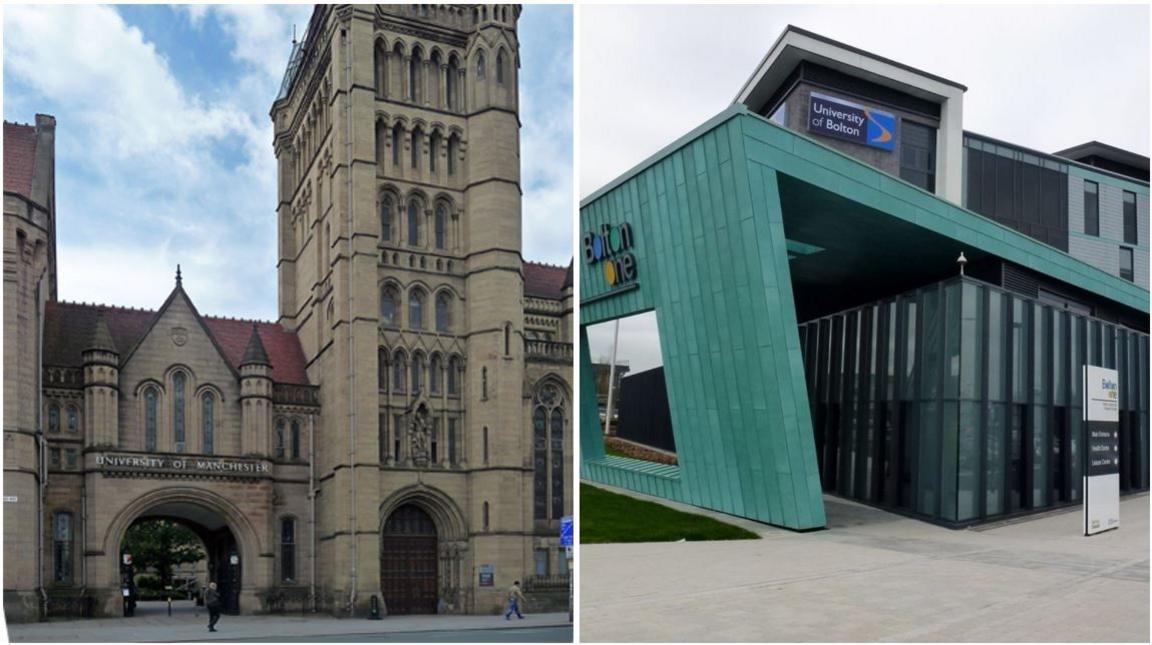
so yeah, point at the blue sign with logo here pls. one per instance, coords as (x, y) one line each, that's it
(566, 530)
(842, 119)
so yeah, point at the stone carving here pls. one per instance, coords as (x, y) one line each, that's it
(419, 433)
(179, 336)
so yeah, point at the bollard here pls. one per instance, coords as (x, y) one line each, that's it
(375, 609)
(169, 605)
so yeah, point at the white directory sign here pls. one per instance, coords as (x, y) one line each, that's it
(1102, 448)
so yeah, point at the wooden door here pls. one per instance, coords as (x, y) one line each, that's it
(408, 562)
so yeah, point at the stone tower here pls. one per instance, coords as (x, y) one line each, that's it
(397, 137)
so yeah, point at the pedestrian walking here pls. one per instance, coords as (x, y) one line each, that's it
(515, 599)
(212, 600)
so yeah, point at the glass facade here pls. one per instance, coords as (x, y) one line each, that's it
(960, 401)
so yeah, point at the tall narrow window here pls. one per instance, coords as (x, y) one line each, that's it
(386, 206)
(397, 134)
(295, 438)
(434, 374)
(381, 69)
(434, 452)
(450, 84)
(278, 439)
(417, 137)
(414, 223)
(1129, 218)
(557, 463)
(443, 311)
(484, 383)
(540, 463)
(288, 549)
(441, 225)
(53, 418)
(486, 524)
(453, 150)
(150, 420)
(451, 442)
(414, 75)
(382, 429)
(62, 547)
(507, 339)
(1091, 208)
(480, 63)
(178, 410)
(382, 369)
(918, 154)
(399, 372)
(433, 151)
(1126, 268)
(453, 376)
(389, 303)
(485, 444)
(416, 309)
(417, 372)
(397, 436)
(500, 66)
(73, 419)
(207, 421)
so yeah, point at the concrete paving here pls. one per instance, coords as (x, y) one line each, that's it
(183, 626)
(876, 576)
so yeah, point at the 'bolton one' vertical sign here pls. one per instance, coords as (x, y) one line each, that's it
(1102, 447)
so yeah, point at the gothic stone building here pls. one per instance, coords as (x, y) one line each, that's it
(403, 431)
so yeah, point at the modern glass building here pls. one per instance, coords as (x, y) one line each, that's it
(800, 252)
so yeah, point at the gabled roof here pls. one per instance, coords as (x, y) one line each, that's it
(544, 280)
(68, 327)
(19, 158)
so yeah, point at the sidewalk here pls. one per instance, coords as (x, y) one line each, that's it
(187, 627)
(876, 576)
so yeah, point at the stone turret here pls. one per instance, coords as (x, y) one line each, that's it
(101, 387)
(255, 397)
(569, 305)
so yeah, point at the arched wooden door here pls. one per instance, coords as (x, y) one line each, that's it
(408, 559)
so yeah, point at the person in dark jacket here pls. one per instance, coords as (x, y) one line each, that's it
(212, 601)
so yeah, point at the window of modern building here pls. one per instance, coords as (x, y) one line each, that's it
(1091, 208)
(918, 155)
(288, 549)
(178, 381)
(207, 421)
(62, 547)
(1126, 264)
(150, 419)
(1130, 218)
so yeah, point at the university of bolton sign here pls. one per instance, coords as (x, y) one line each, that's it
(171, 464)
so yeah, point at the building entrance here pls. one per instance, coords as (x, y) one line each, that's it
(409, 549)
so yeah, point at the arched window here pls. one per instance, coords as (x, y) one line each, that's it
(500, 66)
(381, 140)
(453, 376)
(278, 439)
(548, 452)
(416, 309)
(443, 311)
(386, 207)
(389, 304)
(53, 418)
(207, 420)
(434, 65)
(417, 137)
(480, 64)
(540, 463)
(288, 549)
(382, 370)
(453, 151)
(557, 463)
(433, 151)
(73, 420)
(397, 133)
(417, 372)
(150, 419)
(178, 381)
(441, 225)
(434, 367)
(62, 547)
(450, 83)
(414, 64)
(414, 222)
(399, 372)
(295, 438)
(381, 68)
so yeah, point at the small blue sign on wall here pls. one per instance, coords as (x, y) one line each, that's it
(566, 530)
(842, 119)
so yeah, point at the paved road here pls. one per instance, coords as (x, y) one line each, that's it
(875, 576)
(511, 635)
(186, 626)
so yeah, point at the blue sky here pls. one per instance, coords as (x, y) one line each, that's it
(164, 146)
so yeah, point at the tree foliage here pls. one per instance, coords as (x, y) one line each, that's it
(160, 545)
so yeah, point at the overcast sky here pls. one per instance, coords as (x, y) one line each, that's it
(1046, 77)
(164, 144)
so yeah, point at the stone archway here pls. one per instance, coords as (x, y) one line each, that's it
(415, 519)
(232, 543)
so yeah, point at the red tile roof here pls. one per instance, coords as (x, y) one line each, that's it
(68, 329)
(544, 280)
(19, 158)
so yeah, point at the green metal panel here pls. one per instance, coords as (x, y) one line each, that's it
(591, 444)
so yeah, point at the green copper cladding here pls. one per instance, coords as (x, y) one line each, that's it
(713, 219)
